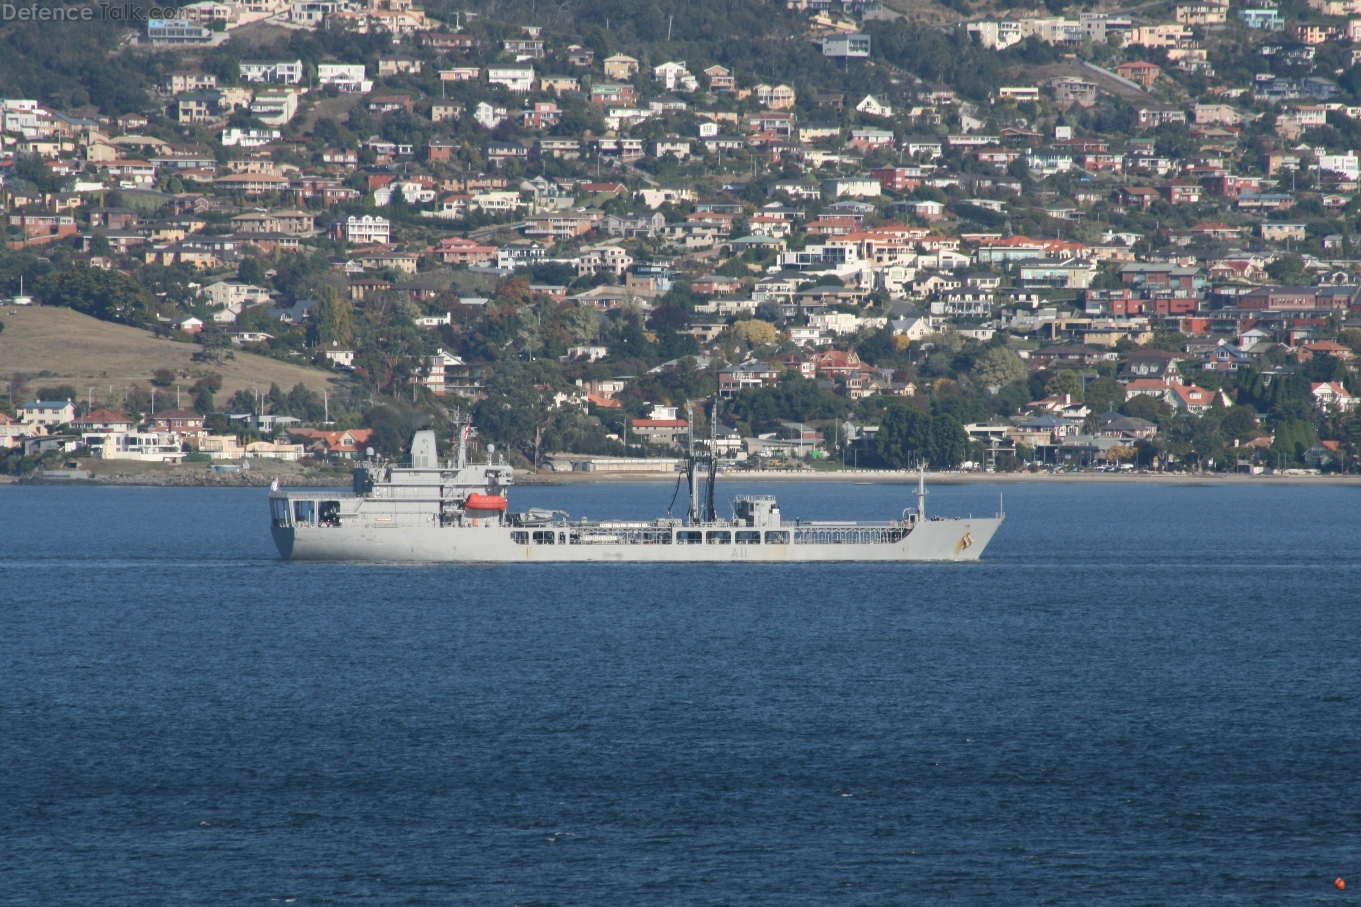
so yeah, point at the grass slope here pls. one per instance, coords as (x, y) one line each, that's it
(82, 351)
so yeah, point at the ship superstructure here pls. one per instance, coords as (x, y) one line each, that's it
(459, 511)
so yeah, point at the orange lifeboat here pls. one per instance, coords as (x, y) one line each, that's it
(484, 502)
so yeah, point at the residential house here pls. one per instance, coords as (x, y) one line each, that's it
(513, 78)
(1332, 397)
(720, 78)
(457, 250)
(661, 427)
(363, 231)
(675, 76)
(1140, 72)
(749, 374)
(47, 412)
(620, 68)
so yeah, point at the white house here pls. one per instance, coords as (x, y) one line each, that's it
(249, 138)
(154, 447)
(496, 202)
(341, 356)
(47, 412)
(589, 353)
(853, 186)
(872, 107)
(367, 230)
(488, 115)
(671, 144)
(917, 328)
(515, 78)
(289, 73)
(227, 293)
(1331, 396)
(347, 77)
(1348, 164)
(675, 76)
(274, 107)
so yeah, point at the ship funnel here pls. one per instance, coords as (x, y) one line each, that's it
(424, 453)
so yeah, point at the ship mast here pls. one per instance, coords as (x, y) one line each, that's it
(463, 427)
(921, 490)
(692, 513)
(713, 461)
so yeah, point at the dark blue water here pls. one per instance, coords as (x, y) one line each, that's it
(1145, 695)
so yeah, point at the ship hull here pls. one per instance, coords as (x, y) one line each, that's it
(931, 540)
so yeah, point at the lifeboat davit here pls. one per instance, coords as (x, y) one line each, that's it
(484, 502)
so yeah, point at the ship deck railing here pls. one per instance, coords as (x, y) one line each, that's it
(713, 533)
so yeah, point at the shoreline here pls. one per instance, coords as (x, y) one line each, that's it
(261, 479)
(870, 477)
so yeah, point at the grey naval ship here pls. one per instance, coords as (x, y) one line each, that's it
(457, 511)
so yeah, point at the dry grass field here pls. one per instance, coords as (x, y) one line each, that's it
(79, 350)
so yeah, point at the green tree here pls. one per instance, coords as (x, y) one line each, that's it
(1292, 439)
(276, 400)
(1104, 395)
(1240, 424)
(755, 333)
(1065, 382)
(517, 410)
(333, 318)
(1288, 269)
(998, 367)
(908, 436)
(251, 271)
(106, 295)
(1142, 406)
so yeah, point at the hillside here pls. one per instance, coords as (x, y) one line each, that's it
(82, 351)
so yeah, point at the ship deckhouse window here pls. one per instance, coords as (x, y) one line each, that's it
(543, 538)
(328, 513)
(720, 538)
(279, 508)
(520, 538)
(304, 511)
(689, 538)
(777, 538)
(748, 538)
